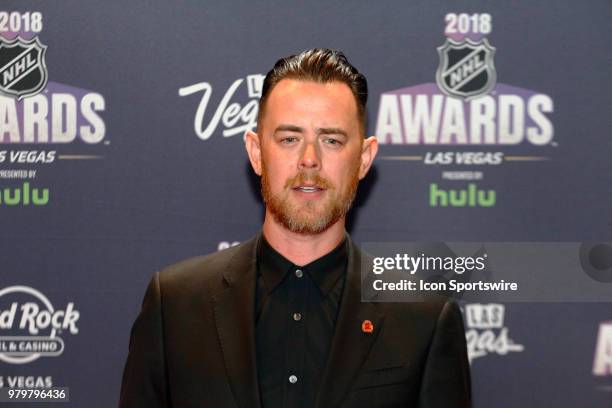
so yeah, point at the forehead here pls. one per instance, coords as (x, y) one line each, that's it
(292, 96)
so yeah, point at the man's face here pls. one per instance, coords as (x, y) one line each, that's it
(311, 151)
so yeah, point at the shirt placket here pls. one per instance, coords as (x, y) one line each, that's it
(296, 344)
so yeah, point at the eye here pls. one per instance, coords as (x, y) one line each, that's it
(289, 140)
(332, 141)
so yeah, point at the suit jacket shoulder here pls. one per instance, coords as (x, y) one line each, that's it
(210, 274)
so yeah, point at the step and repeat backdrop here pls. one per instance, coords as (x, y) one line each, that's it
(121, 152)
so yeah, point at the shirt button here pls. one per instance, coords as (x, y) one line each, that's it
(299, 273)
(297, 317)
(292, 379)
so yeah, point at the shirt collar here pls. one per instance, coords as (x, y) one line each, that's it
(324, 271)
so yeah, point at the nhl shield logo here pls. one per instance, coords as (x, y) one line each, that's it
(466, 68)
(22, 67)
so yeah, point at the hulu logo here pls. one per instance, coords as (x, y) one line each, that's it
(24, 195)
(470, 197)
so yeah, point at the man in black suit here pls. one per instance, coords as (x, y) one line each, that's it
(278, 321)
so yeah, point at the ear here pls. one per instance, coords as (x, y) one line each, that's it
(369, 148)
(253, 148)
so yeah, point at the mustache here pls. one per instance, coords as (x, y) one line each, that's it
(311, 178)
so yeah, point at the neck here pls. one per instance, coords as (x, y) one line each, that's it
(302, 249)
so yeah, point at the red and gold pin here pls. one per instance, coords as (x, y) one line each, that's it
(367, 326)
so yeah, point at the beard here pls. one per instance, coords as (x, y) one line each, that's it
(309, 217)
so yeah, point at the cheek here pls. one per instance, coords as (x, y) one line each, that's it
(278, 160)
(276, 173)
(350, 168)
(343, 175)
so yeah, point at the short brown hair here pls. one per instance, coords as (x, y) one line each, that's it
(320, 65)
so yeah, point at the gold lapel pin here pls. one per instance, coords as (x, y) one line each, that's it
(367, 326)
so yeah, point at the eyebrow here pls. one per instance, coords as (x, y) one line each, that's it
(288, 128)
(320, 131)
(332, 131)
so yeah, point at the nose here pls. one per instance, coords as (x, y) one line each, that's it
(310, 158)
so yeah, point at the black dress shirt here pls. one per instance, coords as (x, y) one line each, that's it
(295, 315)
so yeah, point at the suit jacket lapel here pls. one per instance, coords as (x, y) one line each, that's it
(350, 344)
(235, 322)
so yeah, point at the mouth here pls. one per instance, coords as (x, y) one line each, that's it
(308, 189)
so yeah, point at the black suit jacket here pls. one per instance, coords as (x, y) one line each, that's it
(193, 344)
